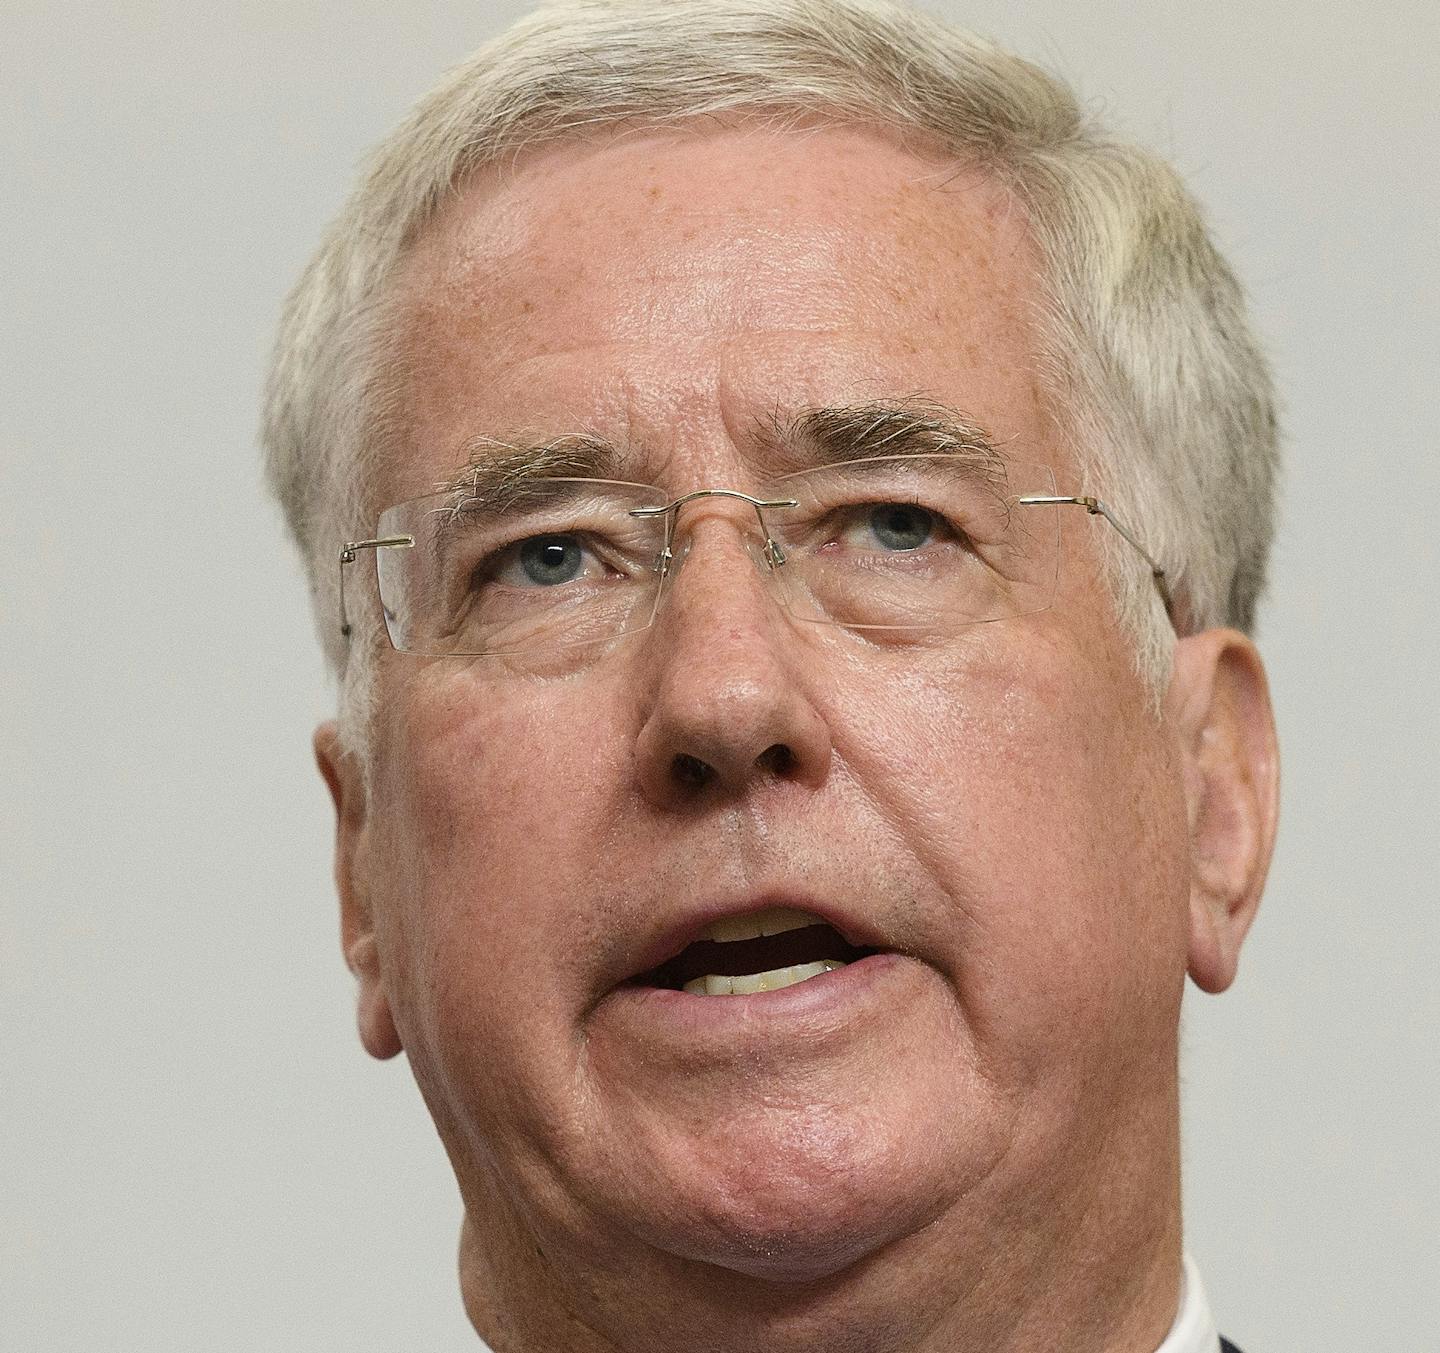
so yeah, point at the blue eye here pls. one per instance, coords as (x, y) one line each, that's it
(551, 560)
(901, 526)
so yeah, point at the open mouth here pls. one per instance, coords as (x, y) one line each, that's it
(763, 951)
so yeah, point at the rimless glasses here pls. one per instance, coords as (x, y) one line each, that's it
(893, 548)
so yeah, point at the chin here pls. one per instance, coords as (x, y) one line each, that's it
(801, 1198)
(752, 1242)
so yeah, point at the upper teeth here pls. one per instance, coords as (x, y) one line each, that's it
(771, 921)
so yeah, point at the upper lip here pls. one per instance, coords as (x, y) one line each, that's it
(665, 943)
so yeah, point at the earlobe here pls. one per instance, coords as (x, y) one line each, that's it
(342, 775)
(1220, 704)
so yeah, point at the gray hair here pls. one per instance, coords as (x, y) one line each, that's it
(1146, 356)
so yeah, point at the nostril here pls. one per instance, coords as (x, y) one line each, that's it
(690, 770)
(778, 759)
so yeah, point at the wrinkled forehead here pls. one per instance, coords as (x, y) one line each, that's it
(653, 288)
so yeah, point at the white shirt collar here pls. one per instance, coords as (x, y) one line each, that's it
(1194, 1327)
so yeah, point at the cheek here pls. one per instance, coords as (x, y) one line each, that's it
(497, 803)
(1048, 814)
(476, 766)
(1102, 855)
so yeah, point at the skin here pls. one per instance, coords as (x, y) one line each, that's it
(979, 1149)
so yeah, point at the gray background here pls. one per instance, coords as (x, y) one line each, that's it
(194, 1151)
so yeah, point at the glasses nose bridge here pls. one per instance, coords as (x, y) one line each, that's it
(771, 554)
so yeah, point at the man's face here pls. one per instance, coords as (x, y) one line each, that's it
(996, 813)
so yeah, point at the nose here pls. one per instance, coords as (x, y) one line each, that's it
(727, 706)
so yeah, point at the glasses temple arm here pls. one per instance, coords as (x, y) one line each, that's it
(348, 553)
(1095, 507)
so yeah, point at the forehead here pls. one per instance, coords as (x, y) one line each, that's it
(667, 291)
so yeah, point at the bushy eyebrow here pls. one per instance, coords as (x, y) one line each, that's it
(905, 427)
(496, 471)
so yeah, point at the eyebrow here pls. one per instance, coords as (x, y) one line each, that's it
(914, 426)
(496, 470)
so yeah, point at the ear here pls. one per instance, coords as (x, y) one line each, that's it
(343, 775)
(1219, 702)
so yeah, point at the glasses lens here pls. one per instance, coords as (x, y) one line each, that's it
(902, 544)
(915, 543)
(546, 563)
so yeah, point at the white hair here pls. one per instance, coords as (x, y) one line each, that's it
(1147, 359)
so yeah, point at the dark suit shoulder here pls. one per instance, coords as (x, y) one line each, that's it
(1226, 1346)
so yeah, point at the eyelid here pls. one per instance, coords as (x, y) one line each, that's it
(507, 556)
(937, 520)
(501, 562)
(858, 512)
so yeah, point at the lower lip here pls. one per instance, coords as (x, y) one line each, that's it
(821, 1001)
